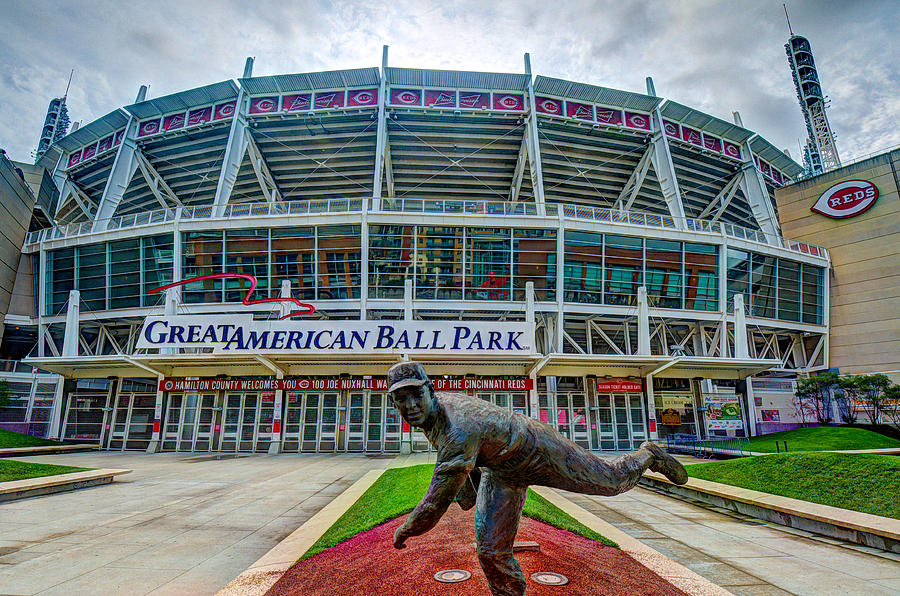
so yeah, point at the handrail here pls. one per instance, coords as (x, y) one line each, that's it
(425, 206)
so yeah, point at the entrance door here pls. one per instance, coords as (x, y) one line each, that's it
(131, 421)
(119, 425)
(189, 422)
(84, 416)
(620, 421)
(356, 423)
(382, 425)
(247, 422)
(311, 423)
(568, 413)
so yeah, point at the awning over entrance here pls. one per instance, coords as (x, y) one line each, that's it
(265, 364)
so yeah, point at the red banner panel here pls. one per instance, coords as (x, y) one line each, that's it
(296, 103)
(119, 136)
(105, 144)
(437, 98)
(691, 136)
(148, 127)
(712, 143)
(762, 166)
(483, 384)
(89, 152)
(671, 128)
(406, 97)
(74, 158)
(619, 386)
(509, 101)
(263, 105)
(173, 122)
(328, 100)
(224, 110)
(582, 111)
(777, 176)
(548, 105)
(474, 100)
(200, 116)
(609, 116)
(731, 150)
(362, 98)
(641, 121)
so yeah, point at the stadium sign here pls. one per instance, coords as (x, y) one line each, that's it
(242, 334)
(846, 199)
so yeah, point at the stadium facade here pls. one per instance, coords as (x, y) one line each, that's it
(607, 261)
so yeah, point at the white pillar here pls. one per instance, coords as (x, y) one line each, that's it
(380, 136)
(275, 446)
(153, 446)
(70, 339)
(741, 349)
(533, 144)
(533, 402)
(407, 299)
(173, 298)
(643, 322)
(651, 410)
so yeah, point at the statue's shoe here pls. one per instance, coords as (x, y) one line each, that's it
(665, 464)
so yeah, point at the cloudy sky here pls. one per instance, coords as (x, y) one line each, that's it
(716, 56)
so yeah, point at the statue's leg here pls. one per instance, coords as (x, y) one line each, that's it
(497, 514)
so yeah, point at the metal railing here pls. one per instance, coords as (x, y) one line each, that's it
(14, 366)
(441, 206)
(708, 447)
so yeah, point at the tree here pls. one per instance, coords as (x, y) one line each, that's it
(891, 404)
(812, 396)
(848, 398)
(872, 394)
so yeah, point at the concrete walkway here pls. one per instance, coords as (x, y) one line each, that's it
(179, 524)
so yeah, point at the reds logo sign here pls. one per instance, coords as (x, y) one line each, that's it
(847, 199)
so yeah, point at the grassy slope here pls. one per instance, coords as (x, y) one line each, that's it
(399, 490)
(822, 438)
(862, 482)
(9, 438)
(20, 470)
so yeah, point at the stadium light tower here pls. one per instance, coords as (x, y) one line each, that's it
(56, 123)
(820, 153)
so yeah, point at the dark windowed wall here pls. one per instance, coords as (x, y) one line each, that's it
(776, 288)
(109, 275)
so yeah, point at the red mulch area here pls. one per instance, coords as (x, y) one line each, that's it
(369, 564)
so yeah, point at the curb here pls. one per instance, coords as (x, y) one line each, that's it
(45, 450)
(676, 574)
(844, 524)
(45, 485)
(268, 569)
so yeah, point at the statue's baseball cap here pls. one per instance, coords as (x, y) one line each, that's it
(406, 374)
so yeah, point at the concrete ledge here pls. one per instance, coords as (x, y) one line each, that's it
(852, 526)
(45, 485)
(45, 450)
(674, 573)
(262, 575)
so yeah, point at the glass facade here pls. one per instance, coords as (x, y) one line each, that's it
(776, 288)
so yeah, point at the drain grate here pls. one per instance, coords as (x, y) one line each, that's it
(452, 576)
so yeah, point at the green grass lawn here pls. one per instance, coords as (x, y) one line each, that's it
(20, 470)
(9, 438)
(822, 438)
(862, 482)
(399, 490)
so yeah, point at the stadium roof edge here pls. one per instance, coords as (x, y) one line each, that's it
(594, 93)
(311, 81)
(775, 156)
(184, 100)
(456, 79)
(683, 114)
(94, 131)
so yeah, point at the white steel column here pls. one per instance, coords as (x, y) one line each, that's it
(643, 322)
(534, 146)
(153, 446)
(560, 283)
(275, 445)
(364, 266)
(662, 163)
(381, 134)
(741, 349)
(70, 338)
(533, 403)
(234, 149)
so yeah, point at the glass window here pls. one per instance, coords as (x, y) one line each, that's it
(583, 272)
(439, 263)
(202, 256)
(663, 270)
(812, 290)
(125, 273)
(534, 260)
(60, 278)
(701, 276)
(338, 262)
(624, 268)
(762, 286)
(158, 265)
(488, 264)
(293, 259)
(247, 252)
(92, 276)
(390, 259)
(738, 276)
(788, 290)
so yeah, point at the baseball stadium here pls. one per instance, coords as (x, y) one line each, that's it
(234, 267)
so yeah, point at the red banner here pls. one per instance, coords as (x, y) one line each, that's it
(671, 128)
(341, 384)
(105, 144)
(406, 97)
(483, 384)
(608, 116)
(199, 116)
(731, 150)
(619, 386)
(328, 100)
(437, 98)
(582, 111)
(641, 121)
(119, 136)
(74, 158)
(224, 110)
(776, 175)
(549, 105)
(762, 166)
(691, 136)
(509, 101)
(263, 105)
(362, 98)
(148, 127)
(89, 152)
(474, 101)
(296, 103)
(173, 122)
(712, 143)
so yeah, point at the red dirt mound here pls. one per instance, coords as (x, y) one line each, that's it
(368, 564)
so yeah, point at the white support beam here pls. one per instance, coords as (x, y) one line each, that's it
(723, 199)
(635, 182)
(381, 136)
(388, 163)
(516, 185)
(643, 322)
(754, 189)
(663, 164)
(73, 191)
(72, 332)
(263, 173)
(158, 186)
(534, 149)
(234, 149)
